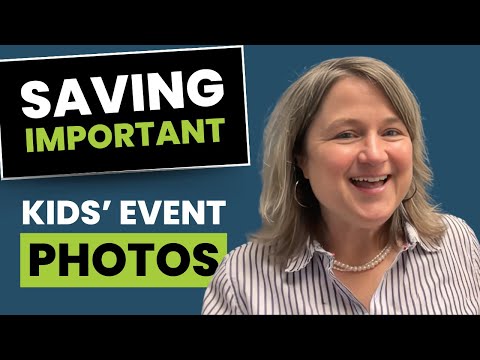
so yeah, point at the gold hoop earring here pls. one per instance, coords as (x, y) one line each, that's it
(295, 196)
(414, 192)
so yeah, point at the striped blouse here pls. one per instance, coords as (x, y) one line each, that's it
(424, 279)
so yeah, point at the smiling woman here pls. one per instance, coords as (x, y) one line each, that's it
(357, 156)
(348, 226)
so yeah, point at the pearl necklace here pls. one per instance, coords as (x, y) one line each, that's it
(338, 265)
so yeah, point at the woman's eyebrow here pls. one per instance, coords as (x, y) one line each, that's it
(342, 122)
(352, 122)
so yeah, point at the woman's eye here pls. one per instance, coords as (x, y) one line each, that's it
(392, 132)
(345, 135)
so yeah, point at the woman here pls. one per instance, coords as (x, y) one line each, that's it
(348, 226)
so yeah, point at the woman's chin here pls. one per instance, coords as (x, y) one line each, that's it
(374, 219)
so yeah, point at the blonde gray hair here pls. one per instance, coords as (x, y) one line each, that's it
(290, 212)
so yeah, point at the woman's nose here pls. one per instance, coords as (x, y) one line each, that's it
(373, 151)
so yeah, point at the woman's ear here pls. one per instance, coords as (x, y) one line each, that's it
(301, 164)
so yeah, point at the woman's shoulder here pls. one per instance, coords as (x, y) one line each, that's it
(458, 231)
(248, 257)
(249, 251)
(457, 224)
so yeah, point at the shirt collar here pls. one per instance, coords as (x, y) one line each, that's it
(413, 238)
(301, 260)
(298, 262)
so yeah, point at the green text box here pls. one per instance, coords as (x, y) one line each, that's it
(101, 255)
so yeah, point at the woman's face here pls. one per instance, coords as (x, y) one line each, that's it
(357, 155)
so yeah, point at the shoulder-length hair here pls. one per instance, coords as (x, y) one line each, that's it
(289, 210)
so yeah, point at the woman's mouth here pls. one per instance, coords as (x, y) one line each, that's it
(370, 182)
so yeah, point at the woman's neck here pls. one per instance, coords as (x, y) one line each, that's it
(353, 245)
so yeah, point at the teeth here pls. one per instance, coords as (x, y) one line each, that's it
(370, 179)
